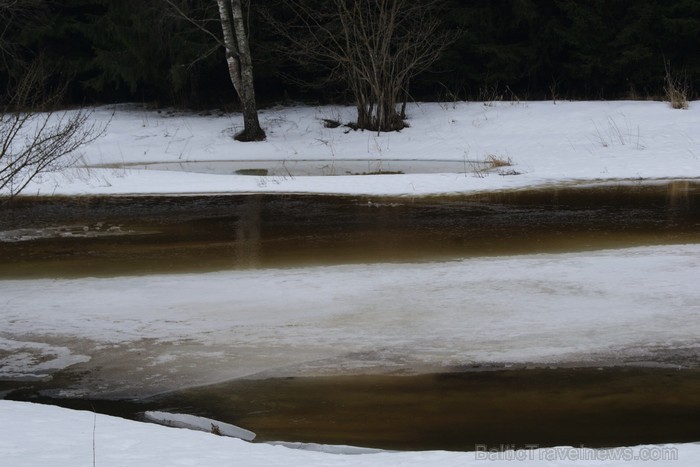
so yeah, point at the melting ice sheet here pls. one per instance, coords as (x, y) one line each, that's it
(34, 360)
(168, 331)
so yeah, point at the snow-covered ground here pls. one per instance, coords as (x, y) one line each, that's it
(570, 142)
(166, 331)
(34, 435)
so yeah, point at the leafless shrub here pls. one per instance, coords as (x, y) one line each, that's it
(374, 47)
(554, 91)
(489, 94)
(33, 141)
(448, 98)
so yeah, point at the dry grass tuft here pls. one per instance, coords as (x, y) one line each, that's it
(677, 90)
(498, 161)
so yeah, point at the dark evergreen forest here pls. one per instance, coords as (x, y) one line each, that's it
(140, 51)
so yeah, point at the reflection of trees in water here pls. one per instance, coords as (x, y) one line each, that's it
(247, 245)
(679, 202)
(679, 193)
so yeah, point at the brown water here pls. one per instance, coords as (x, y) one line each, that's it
(74, 237)
(455, 411)
(142, 235)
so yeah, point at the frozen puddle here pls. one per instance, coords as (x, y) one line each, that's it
(319, 167)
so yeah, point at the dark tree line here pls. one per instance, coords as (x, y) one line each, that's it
(578, 49)
(138, 50)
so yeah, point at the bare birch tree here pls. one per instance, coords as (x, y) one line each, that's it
(374, 46)
(240, 66)
(234, 40)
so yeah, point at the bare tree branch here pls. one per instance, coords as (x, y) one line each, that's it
(33, 142)
(15, 14)
(198, 24)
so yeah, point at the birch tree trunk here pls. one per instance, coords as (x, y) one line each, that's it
(240, 66)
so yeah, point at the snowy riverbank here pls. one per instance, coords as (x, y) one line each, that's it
(631, 305)
(33, 435)
(448, 148)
